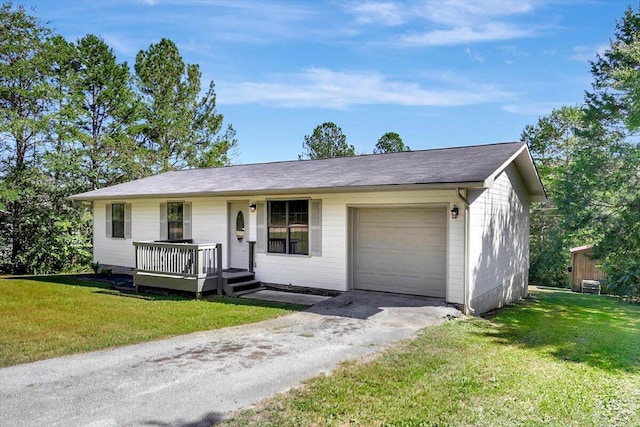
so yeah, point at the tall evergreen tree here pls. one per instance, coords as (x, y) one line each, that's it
(102, 109)
(390, 142)
(607, 170)
(326, 141)
(594, 174)
(180, 129)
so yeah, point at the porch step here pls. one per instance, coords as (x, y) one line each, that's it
(237, 288)
(237, 276)
(249, 291)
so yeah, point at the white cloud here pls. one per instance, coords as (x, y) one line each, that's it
(149, 2)
(533, 108)
(470, 11)
(467, 21)
(588, 53)
(474, 56)
(377, 12)
(323, 88)
(460, 35)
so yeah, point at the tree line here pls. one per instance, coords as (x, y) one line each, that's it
(589, 160)
(73, 118)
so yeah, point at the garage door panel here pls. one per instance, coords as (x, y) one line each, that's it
(389, 264)
(405, 285)
(399, 238)
(400, 250)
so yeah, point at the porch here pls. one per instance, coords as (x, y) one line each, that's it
(190, 267)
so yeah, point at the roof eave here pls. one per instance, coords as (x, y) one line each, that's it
(524, 162)
(314, 190)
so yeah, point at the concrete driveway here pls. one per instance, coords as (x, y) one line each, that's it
(197, 379)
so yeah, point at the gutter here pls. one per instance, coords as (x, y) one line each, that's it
(467, 301)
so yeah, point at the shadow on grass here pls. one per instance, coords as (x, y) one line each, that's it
(67, 279)
(210, 299)
(105, 288)
(596, 330)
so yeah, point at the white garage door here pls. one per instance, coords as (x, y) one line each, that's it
(400, 250)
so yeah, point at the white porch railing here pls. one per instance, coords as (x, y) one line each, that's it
(184, 259)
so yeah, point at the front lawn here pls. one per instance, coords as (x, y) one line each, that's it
(559, 359)
(57, 315)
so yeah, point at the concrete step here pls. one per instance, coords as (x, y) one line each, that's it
(235, 288)
(249, 291)
(237, 277)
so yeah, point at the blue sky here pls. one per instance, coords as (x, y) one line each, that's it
(440, 73)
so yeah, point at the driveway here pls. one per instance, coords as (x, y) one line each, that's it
(197, 379)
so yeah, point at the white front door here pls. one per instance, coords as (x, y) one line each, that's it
(238, 237)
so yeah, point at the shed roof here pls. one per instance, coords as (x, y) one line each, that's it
(465, 167)
(581, 248)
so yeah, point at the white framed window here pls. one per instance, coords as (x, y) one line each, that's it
(175, 221)
(118, 220)
(291, 227)
(288, 227)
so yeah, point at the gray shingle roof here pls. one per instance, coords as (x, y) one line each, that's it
(471, 164)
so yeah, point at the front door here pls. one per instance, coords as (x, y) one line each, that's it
(238, 227)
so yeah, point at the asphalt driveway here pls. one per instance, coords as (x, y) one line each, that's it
(197, 379)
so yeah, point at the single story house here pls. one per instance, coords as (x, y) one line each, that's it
(449, 223)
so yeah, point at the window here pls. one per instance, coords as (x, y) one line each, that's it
(117, 220)
(175, 221)
(288, 227)
(240, 226)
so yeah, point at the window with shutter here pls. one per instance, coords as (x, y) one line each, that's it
(175, 221)
(117, 220)
(288, 227)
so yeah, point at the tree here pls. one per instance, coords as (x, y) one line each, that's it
(615, 96)
(180, 129)
(27, 100)
(590, 161)
(553, 142)
(607, 172)
(326, 141)
(100, 113)
(390, 142)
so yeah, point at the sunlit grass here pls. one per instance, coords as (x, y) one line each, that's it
(59, 315)
(559, 359)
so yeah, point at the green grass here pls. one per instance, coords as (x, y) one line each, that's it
(58, 315)
(559, 359)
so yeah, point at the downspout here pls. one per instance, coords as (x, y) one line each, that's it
(467, 301)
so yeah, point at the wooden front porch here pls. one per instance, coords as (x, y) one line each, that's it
(189, 267)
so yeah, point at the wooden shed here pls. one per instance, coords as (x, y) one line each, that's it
(583, 267)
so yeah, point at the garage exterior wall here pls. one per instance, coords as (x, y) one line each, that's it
(498, 242)
(331, 270)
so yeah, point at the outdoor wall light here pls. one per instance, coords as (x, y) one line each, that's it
(253, 207)
(454, 212)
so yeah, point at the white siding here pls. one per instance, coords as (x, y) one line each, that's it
(208, 219)
(329, 271)
(455, 258)
(499, 242)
